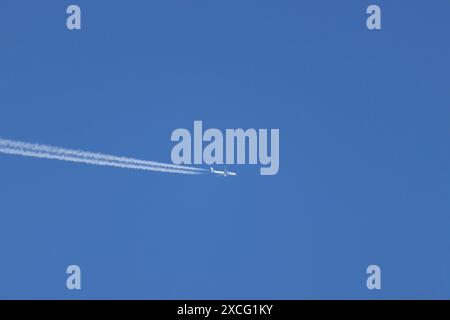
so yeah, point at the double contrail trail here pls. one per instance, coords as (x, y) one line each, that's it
(56, 153)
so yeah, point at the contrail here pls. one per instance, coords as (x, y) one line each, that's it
(85, 154)
(50, 152)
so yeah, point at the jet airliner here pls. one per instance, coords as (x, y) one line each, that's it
(224, 173)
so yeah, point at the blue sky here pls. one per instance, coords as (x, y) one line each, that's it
(364, 149)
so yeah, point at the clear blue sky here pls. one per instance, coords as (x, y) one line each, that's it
(364, 159)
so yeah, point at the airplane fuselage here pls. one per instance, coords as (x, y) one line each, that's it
(223, 173)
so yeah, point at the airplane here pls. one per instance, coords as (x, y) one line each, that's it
(223, 173)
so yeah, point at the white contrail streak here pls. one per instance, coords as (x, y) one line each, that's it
(56, 153)
(85, 154)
